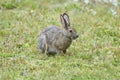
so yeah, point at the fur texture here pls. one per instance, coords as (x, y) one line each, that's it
(56, 40)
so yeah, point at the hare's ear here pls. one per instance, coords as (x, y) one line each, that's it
(64, 24)
(66, 18)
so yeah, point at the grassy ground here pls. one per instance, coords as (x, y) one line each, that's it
(93, 56)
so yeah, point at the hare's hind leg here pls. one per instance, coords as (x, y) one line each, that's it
(43, 44)
(46, 47)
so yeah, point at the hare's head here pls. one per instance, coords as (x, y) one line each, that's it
(68, 30)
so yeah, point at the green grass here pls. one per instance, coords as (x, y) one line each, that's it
(95, 55)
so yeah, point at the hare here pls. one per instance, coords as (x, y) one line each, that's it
(56, 40)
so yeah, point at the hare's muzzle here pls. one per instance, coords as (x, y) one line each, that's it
(75, 36)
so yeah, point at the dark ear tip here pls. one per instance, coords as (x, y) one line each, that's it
(64, 13)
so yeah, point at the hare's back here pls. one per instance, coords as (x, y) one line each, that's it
(51, 29)
(50, 32)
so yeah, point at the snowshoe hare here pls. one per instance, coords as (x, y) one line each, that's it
(54, 39)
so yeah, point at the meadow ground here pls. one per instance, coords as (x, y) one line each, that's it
(95, 55)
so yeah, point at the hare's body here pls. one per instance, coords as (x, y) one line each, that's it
(54, 39)
(62, 39)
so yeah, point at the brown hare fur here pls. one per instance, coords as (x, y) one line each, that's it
(56, 40)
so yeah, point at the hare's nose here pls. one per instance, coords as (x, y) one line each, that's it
(77, 36)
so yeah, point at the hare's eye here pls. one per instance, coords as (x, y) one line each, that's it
(71, 31)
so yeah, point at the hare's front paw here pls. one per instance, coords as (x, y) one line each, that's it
(64, 51)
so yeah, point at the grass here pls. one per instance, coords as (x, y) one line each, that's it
(95, 55)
